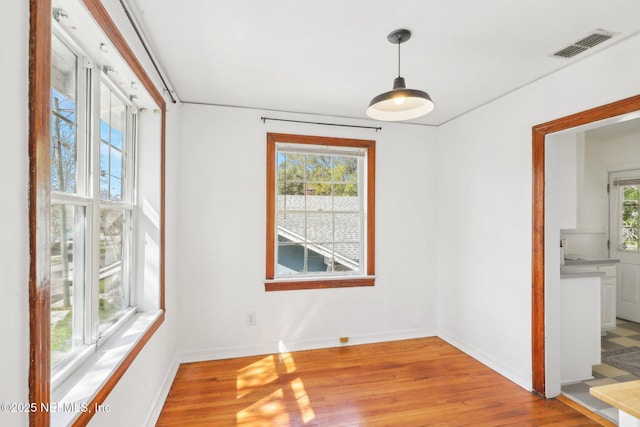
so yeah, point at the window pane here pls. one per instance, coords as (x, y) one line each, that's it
(347, 228)
(63, 118)
(67, 281)
(346, 203)
(113, 245)
(112, 154)
(630, 216)
(629, 238)
(290, 167)
(347, 256)
(113, 116)
(115, 188)
(629, 221)
(630, 193)
(290, 257)
(291, 189)
(292, 226)
(345, 169)
(104, 170)
(319, 257)
(319, 168)
(340, 190)
(320, 228)
(319, 202)
(116, 163)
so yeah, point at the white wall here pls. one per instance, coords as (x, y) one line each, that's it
(14, 251)
(561, 185)
(222, 240)
(484, 199)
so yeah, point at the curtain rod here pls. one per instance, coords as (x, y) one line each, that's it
(264, 120)
(146, 48)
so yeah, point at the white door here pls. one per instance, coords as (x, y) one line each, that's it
(624, 239)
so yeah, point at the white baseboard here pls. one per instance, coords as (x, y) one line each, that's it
(161, 396)
(523, 381)
(227, 352)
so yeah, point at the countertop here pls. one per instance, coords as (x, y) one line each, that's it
(578, 275)
(585, 261)
(571, 273)
(624, 396)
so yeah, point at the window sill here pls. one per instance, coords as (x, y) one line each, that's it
(318, 283)
(83, 392)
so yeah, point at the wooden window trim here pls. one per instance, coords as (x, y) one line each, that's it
(39, 204)
(539, 133)
(272, 284)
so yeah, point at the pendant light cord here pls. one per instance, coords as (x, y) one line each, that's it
(398, 57)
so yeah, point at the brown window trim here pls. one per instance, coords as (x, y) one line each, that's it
(294, 285)
(272, 284)
(39, 205)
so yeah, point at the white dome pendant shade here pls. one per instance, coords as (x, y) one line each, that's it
(400, 103)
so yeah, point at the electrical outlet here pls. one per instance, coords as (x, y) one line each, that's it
(251, 318)
(344, 340)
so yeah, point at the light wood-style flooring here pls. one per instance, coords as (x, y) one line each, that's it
(419, 382)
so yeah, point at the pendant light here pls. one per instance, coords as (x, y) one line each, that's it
(400, 103)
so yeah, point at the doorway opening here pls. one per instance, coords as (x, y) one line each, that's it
(539, 133)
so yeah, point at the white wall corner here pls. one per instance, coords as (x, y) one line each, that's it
(523, 379)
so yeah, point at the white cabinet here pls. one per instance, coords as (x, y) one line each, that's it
(579, 327)
(608, 288)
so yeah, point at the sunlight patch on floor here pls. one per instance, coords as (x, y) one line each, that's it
(284, 398)
(269, 410)
(256, 375)
(302, 399)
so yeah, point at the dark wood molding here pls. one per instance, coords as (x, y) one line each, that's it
(537, 261)
(272, 138)
(102, 17)
(539, 133)
(39, 206)
(371, 210)
(270, 272)
(290, 285)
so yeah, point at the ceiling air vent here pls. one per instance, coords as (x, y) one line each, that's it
(593, 39)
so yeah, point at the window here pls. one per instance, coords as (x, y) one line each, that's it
(320, 212)
(96, 208)
(626, 209)
(88, 297)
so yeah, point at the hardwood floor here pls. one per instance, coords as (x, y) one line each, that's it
(402, 383)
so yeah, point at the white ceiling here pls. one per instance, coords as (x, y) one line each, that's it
(330, 57)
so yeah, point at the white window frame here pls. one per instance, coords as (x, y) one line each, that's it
(361, 155)
(616, 182)
(87, 196)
